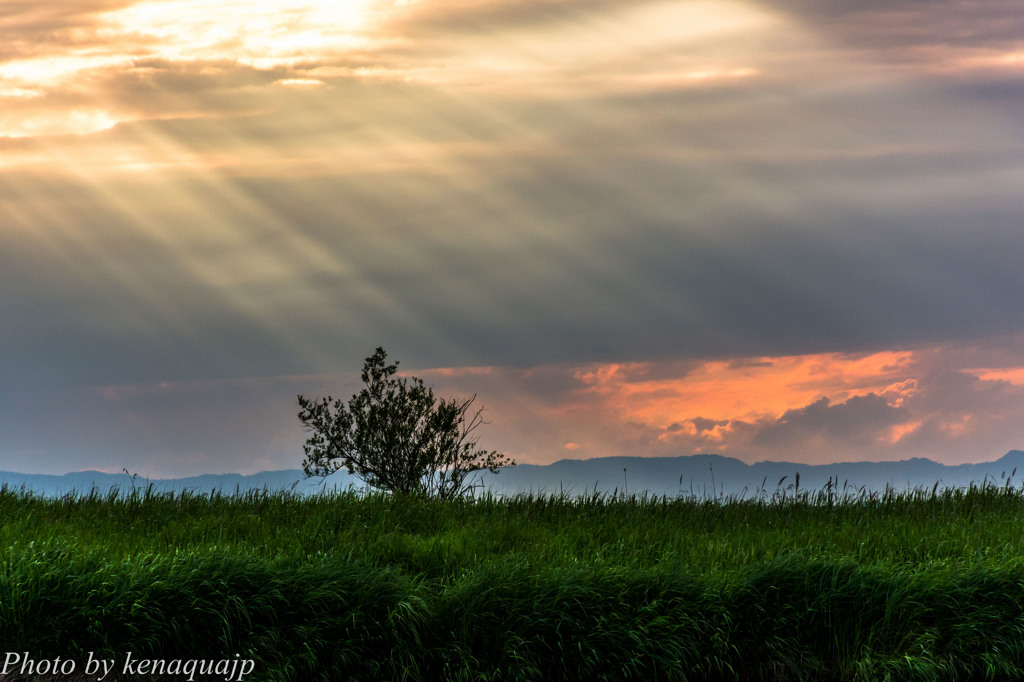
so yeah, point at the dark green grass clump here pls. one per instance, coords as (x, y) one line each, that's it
(907, 586)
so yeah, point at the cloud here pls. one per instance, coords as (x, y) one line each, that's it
(459, 268)
(917, 404)
(28, 28)
(530, 50)
(861, 420)
(907, 25)
(815, 409)
(476, 16)
(958, 412)
(693, 193)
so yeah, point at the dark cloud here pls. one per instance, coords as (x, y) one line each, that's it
(663, 371)
(957, 412)
(494, 266)
(904, 25)
(859, 421)
(702, 425)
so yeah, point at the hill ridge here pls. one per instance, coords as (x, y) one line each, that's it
(702, 474)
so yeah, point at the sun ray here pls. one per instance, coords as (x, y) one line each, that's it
(271, 35)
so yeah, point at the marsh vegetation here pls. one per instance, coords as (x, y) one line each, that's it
(916, 585)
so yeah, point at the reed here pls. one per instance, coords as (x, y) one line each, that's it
(816, 585)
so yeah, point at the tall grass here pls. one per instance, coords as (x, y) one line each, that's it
(808, 585)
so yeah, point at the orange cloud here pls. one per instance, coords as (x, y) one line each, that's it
(1013, 375)
(748, 407)
(747, 389)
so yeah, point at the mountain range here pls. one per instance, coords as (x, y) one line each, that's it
(717, 476)
(705, 476)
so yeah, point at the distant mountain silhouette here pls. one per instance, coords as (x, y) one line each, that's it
(83, 482)
(699, 475)
(715, 475)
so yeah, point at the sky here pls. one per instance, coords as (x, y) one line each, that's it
(770, 229)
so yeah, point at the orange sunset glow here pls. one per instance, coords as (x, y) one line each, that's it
(763, 228)
(757, 386)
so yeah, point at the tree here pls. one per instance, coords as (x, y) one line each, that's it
(395, 435)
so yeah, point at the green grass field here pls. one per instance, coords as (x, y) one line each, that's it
(914, 586)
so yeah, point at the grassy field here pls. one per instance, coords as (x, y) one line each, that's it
(820, 586)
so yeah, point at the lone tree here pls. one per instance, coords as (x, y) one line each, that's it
(395, 435)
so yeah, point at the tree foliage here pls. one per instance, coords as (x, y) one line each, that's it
(397, 436)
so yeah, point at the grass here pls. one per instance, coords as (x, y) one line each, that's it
(922, 585)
